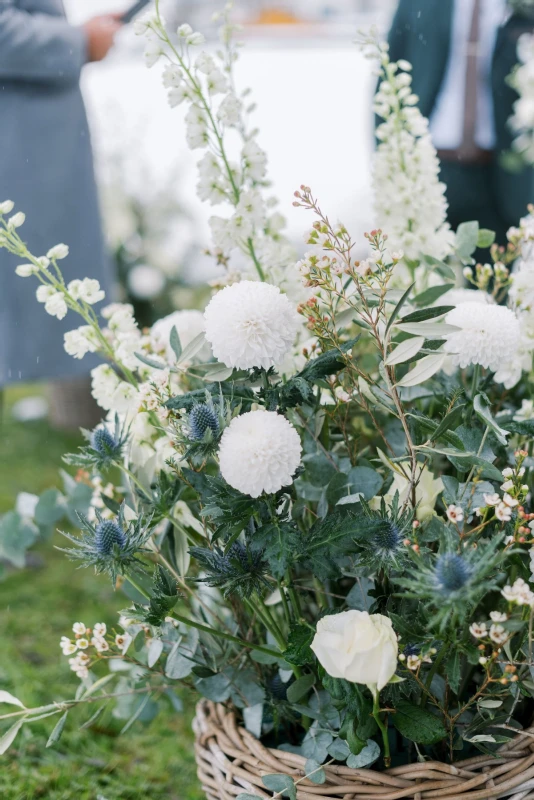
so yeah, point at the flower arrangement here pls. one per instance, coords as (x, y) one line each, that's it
(323, 512)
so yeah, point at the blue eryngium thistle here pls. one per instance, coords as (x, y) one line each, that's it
(452, 582)
(109, 536)
(452, 573)
(110, 546)
(104, 448)
(202, 418)
(380, 534)
(102, 441)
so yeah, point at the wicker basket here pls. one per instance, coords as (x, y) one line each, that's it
(231, 761)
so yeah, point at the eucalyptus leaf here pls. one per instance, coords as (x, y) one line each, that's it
(423, 370)
(175, 342)
(365, 757)
(405, 351)
(9, 736)
(314, 771)
(55, 736)
(483, 411)
(283, 784)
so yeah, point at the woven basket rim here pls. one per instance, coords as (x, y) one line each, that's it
(231, 761)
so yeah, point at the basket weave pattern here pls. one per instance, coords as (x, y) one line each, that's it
(231, 761)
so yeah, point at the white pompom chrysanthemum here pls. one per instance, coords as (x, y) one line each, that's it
(488, 335)
(259, 452)
(250, 324)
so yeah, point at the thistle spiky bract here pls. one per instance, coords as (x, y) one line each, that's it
(238, 570)
(204, 426)
(104, 449)
(110, 546)
(452, 581)
(381, 533)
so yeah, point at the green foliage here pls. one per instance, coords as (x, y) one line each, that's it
(163, 599)
(417, 724)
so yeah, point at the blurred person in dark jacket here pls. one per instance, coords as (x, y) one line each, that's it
(46, 168)
(462, 52)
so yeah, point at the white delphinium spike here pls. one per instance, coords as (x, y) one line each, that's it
(409, 199)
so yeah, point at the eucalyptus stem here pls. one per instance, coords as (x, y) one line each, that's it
(382, 726)
(205, 628)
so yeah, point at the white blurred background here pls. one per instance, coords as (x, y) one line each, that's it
(312, 88)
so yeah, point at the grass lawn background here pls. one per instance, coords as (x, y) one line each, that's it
(37, 607)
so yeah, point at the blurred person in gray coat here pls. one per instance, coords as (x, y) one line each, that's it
(46, 168)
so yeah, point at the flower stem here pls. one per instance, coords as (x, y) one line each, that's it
(205, 629)
(382, 726)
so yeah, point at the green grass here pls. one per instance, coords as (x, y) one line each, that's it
(37, 606)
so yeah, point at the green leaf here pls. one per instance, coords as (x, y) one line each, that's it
(50, 508)
(339, 750)
(427, 313)
(405, 351)
(9, 736)
(453, 671)
(365, 757)
(432, 294)
(449, 420)
(524, 427)
(300, 688)
(441, 268)
(247, 796)
(6, 697)
(327, 363)
(396, 311)
(314, 772)
(327, 543)
(55, 736)
(16, 536)
(192, 348)
(298, 651)
(466, 239)
(423, 370)
(485, 237)
(483, 412)
(430, 330)
(150, 362)
(175, 342)
(417, 724)
(279, 541)
(178, 666)
(283, 784)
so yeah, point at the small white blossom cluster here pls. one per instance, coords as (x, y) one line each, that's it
(522, 285)
(205, 83)
(84, 638)
(522, 80)
(519, 593)
(496, 632)
(409, 199)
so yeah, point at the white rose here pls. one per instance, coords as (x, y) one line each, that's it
(357, 646)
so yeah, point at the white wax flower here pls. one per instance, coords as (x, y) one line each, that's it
(488, 335)
(7, 206)
(250, 324)
(259, 452)
(357, 646)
